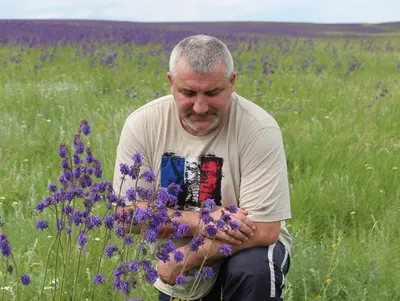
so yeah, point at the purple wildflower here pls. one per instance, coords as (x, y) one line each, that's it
(124, 169)
(89, 171)
(196, 243)
(76, 173)
(149, 176)
(132, 266)
(226, 250)
(142, 248)
(177, 213)
(86, 181)
(226, 217)
(52, 187)
(64, 163)
(206, 217)
(89, 157)
(98, 279)
(209, 204)
(109, 221)
(120, 231)
(178, 256)
(138, 158)
(77, 159)
(234, 225)
(139, 215)
(82, 239)
(232, 208)
(151, 235)
(94, 221)
(182, 230)
(67, 174)
(5, 248)
(59, 225)
(131, 194)
(68, 210)
(205, 273)
(210, 230)
(110, 249)
(25, 279)
(220, 224)
(98, 173)
(181, 279)
(124, 287)
(85, 128)
(62, 151)
(41, 225)
(40, 206)
(128, 240)
(68, 230)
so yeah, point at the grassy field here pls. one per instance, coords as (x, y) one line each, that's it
(336, 100)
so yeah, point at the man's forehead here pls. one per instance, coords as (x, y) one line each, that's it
(183, 66)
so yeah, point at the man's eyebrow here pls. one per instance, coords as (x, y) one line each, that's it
(185, 90)
(213, 90)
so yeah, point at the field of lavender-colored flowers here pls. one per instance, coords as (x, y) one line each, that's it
(334, 90)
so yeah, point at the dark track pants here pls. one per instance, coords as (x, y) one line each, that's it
(256, 274)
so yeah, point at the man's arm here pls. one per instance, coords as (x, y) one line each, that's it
(192, 219)
(266, 234)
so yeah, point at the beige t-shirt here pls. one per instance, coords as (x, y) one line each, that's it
(241, 162)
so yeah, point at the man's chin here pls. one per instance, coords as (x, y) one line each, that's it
(202, 126)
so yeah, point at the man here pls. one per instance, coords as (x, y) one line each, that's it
(218, 145)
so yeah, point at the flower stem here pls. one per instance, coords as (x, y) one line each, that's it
(65, 265)
(185, 262)
(77, 273)
(5, 279)
(195, 285)
(106, 238)
(47, 265)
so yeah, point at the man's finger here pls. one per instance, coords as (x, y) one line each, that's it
(238, 235)
(243, 211)
(246, 221)
(223, 235)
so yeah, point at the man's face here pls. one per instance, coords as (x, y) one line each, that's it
(203, 99)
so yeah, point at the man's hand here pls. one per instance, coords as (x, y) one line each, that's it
(168, 271)
(242, 234)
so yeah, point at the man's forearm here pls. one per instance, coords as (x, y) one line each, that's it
(266, 234)
(190, 218)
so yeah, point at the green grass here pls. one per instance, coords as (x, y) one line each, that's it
(342, 143)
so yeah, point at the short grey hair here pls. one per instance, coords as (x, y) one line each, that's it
(202, 54)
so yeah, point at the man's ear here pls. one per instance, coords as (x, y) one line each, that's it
(232, 81)
(171, 86)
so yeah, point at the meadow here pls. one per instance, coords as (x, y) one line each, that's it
(335, 92)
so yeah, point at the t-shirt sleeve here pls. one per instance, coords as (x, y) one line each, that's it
(132, 140)
(264, 188)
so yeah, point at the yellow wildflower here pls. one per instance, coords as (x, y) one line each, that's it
(334, 246)
(328, 281)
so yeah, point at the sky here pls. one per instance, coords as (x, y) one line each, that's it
(310, 11)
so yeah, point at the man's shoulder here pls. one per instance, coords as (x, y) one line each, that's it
(252, 113)
(153, 110)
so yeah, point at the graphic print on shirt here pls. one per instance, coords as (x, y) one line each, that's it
(199, 178)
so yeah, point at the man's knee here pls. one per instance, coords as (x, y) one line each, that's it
(257, 271)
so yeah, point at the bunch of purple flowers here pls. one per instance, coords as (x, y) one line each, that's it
(76, 201)
(7, 254)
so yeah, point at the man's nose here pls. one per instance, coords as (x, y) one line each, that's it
(200, 105)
